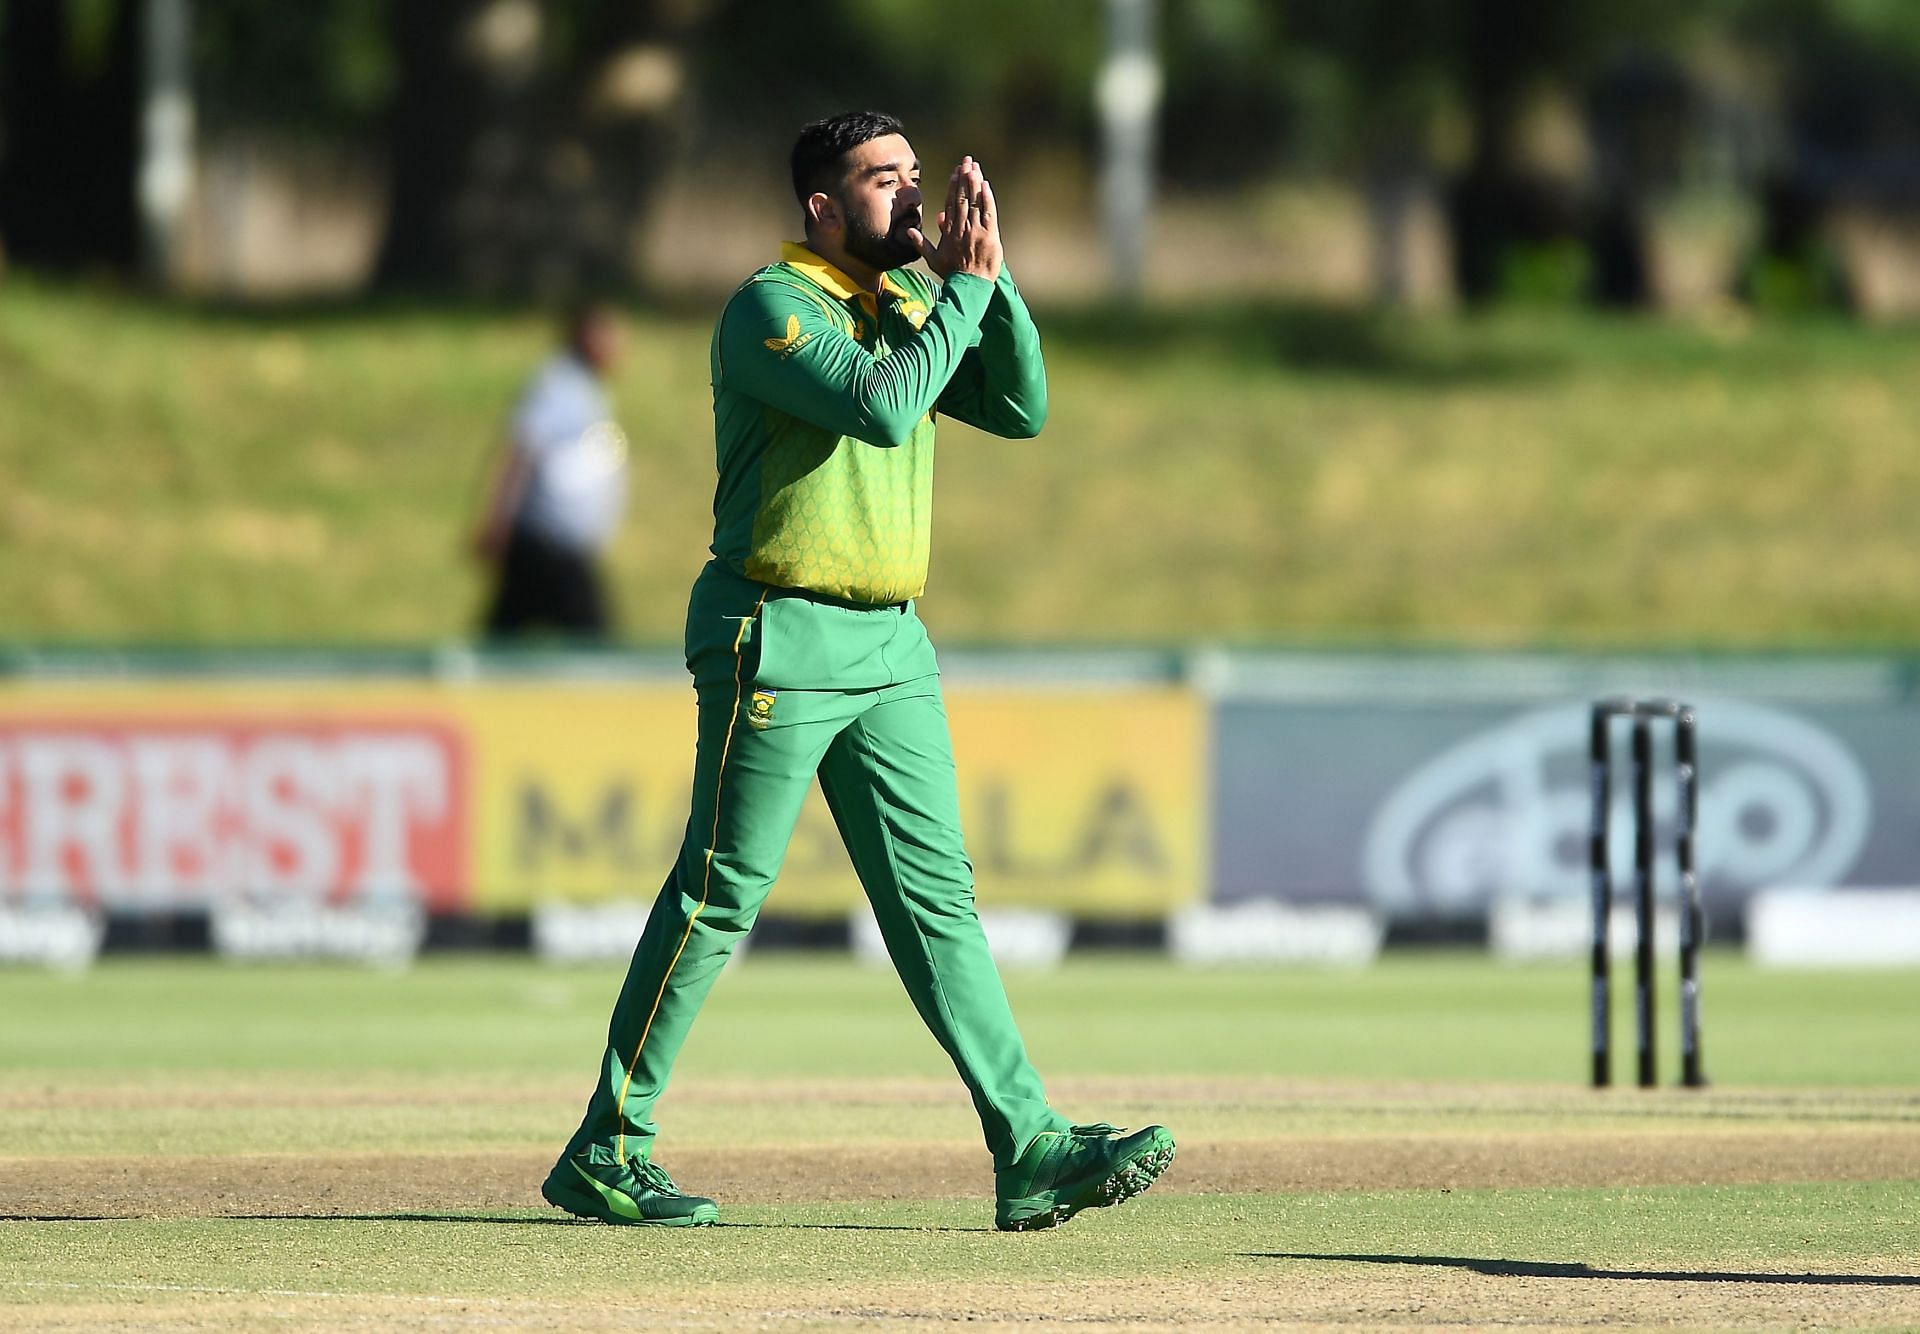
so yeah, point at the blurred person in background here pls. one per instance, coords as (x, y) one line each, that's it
(809, 660)
(559, 490)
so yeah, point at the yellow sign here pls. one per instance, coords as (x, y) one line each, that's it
(581, 791)
(1085, 802)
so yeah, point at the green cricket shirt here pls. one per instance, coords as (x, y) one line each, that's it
(824, 401)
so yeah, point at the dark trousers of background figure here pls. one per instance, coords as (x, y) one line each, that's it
(546, 586)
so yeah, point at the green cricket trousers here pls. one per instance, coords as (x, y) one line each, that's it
(791, 686)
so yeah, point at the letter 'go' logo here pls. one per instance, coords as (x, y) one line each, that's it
(1506, 813)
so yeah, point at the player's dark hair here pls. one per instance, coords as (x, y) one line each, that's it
(819, 157)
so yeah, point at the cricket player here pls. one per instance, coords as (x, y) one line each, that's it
(829, 370)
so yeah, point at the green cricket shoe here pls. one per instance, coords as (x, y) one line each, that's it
(632, 1193)
(1088, 1167)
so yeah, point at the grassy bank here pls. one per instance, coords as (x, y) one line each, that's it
(1222, 473)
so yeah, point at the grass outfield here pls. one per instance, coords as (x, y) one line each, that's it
(1272, 474)
(190, 1145)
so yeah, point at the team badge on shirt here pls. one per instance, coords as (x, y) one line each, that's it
(760, 710)
(792, 342)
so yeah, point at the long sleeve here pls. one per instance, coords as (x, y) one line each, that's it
(1001, 385)
(780, 346)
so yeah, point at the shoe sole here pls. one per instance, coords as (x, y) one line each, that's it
(1128, 1180)
(703, 1215)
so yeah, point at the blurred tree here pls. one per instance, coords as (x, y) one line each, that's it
(324, 67)
(453, 142)
(1849, 77)
(1508, 50)
(1641, 110)
(69, 82)
(1396, 64)
(1243, 103)
(1404, 67)
(525, 138)
(1021, 90)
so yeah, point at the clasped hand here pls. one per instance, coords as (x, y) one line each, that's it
(969, 228)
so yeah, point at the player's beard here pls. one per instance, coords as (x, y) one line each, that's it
(883, 250)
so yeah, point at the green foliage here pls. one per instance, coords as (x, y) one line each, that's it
(1022, 93)
(1891, 27)
(90, 25)
(1794, 284)
(1322, 86)
(1551, 273)
(1849, 68)
(315, 66)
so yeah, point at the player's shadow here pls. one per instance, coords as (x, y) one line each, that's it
(1549, 1269)
(855, 1227)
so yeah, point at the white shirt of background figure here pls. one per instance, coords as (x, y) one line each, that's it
(564, 475)
(575, 456)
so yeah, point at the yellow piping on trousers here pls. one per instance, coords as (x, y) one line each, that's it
(706, 880)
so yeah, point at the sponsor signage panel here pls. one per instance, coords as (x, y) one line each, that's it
(1086, 802)
(1441, 810)
(160, 799)
(1126, 799)
(582, 790)
(497, 797)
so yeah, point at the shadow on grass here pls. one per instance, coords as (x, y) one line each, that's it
(368, 306)
(1333, 339)
(854, 1227)
(1546, 1269)
(555, 1221)
(1248, 333)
